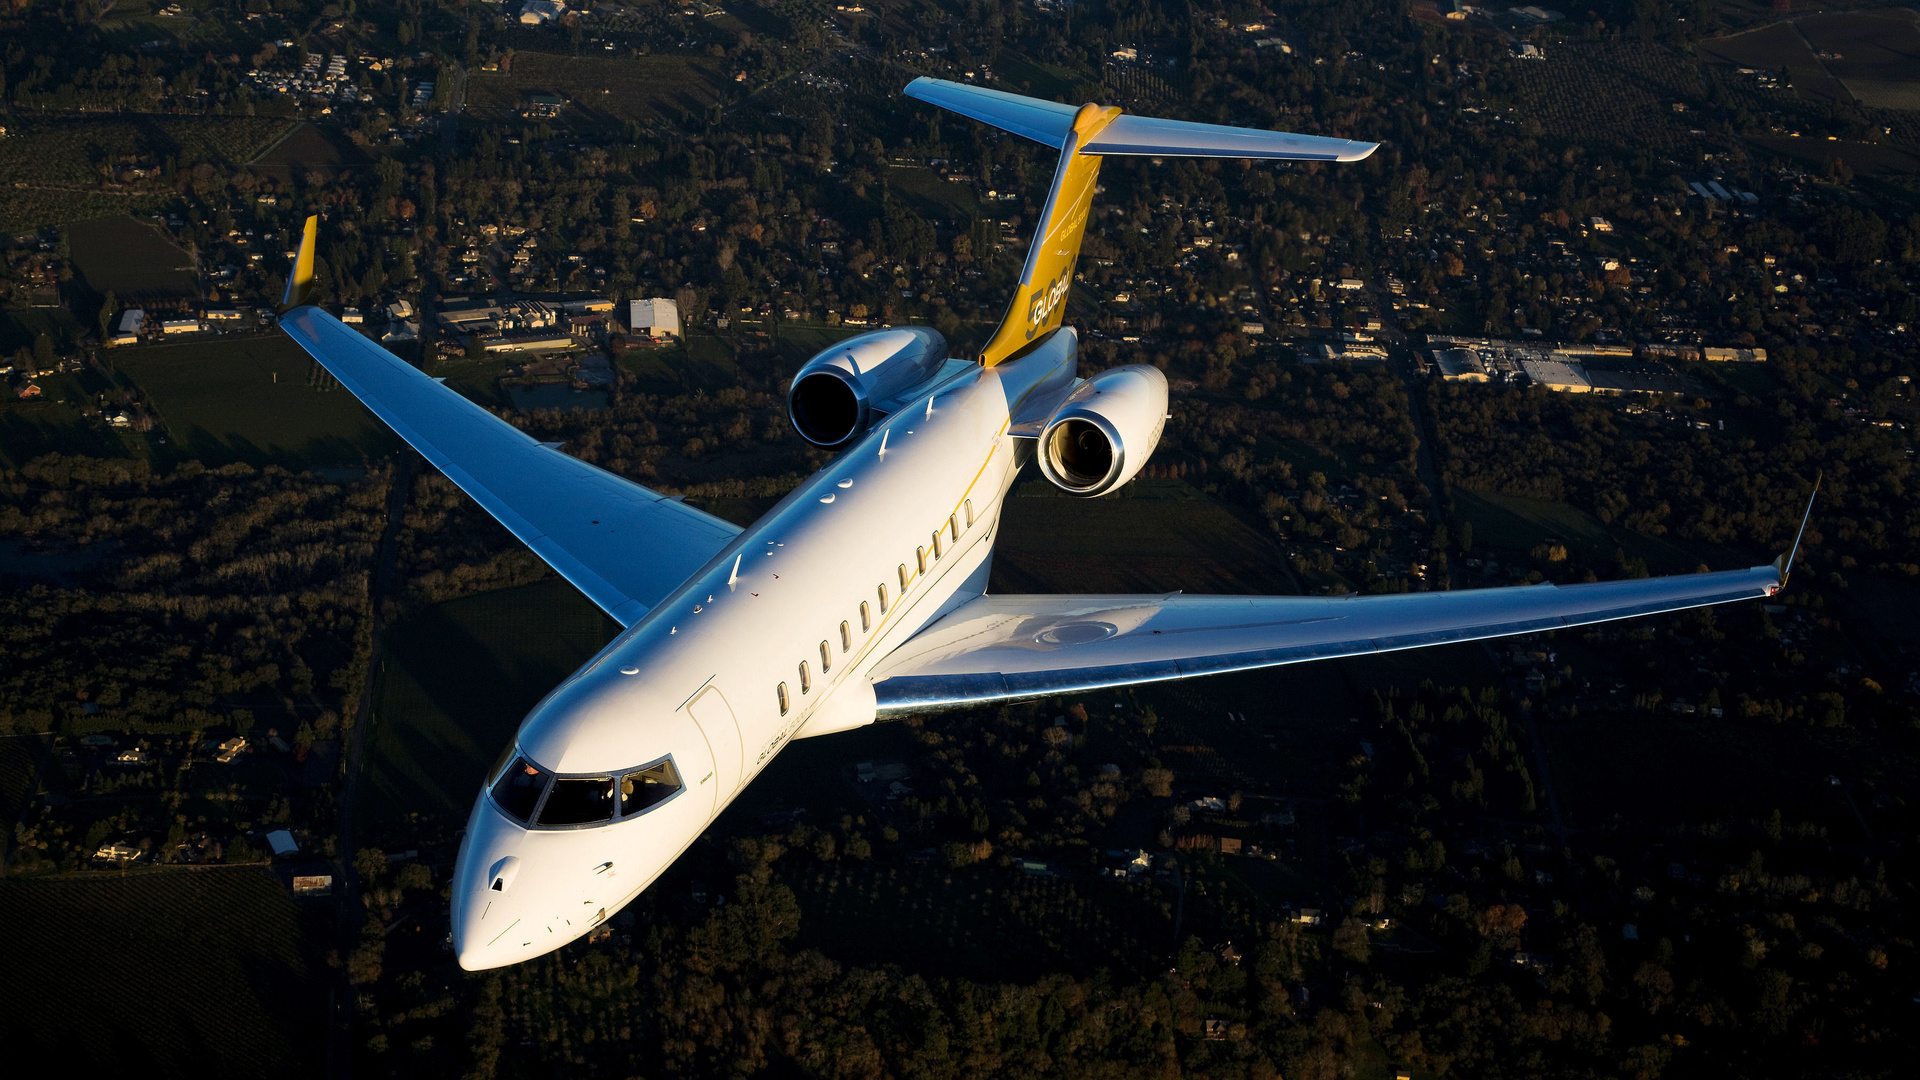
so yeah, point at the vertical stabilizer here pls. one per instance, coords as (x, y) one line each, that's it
(1083, 136)
(300, 280)
(1040, 301)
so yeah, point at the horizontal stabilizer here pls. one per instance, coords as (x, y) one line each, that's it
(1045, 122)
(1150, 136)
(1051, 124)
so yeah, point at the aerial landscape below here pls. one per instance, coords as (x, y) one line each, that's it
(1224, 540)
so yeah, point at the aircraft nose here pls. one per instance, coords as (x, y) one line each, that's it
(485, 901)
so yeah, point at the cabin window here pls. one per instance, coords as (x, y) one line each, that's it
(806, 678)
(518, 790)
(866, 616)
(781, 692)
(953, 527)
(846, 634)
(969, 513)
(579, 801)
(939, 543)
(883, 594)
(826, 659)
(904, 578)
(643, 789)
(920, 558)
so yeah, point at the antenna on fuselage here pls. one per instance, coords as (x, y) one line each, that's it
(735, 576)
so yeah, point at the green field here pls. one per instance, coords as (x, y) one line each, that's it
(1777, 47)
(134, 259)
(455, 682)
(311, 147)
(249, 399)
(160, 974)
(53, 424)
(1166, 536)
(647, 89)
(1513, 524)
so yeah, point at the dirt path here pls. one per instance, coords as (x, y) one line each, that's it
(340, 1034)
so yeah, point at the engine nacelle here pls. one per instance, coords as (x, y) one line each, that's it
(1101, 435)
(833, 396)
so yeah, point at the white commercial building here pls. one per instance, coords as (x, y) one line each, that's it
(535, 12)
(1460, 365)
(1557, 375)
(655, 317)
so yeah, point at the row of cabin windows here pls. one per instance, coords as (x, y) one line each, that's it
(943, 538)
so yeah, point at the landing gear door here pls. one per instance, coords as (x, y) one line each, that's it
(710, 710)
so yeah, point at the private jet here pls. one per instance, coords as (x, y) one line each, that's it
(862, 596)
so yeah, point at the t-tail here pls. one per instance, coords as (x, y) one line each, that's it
(1083, 136)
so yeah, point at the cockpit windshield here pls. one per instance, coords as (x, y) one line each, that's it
(535, 797)
(644, 789)
(586, 801)
(518, 790)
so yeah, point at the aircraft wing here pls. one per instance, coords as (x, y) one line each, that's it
(623, 545)
(1014, 648)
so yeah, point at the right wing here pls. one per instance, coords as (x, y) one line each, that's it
(1015, 648)
(623, 545)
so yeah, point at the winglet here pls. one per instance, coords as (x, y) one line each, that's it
(1784, 563)
(300, 282)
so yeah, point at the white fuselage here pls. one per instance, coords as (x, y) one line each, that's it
(895, 532)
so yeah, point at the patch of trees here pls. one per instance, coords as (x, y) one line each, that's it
(169, 599)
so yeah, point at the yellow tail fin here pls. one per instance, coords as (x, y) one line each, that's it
(300, 281)
(1083, 136)
(1040, 301)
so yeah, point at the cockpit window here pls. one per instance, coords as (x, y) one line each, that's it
(518, 791)
(587, 801)
(644, 789)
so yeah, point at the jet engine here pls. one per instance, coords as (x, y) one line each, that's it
(1104, 431)
(836, 393)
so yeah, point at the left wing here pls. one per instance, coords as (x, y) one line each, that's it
(623, 545)
(1014, 648)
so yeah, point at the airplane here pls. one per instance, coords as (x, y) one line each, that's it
(862, 596)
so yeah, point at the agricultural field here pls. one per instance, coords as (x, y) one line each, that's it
(600, 90)
(54, 424)
(1865, 159)
(1879, 53)
(1513, 525)
(133, 259)
(310, 146)
(256, 398)
(1774, 48)
(1607, 92)
(1162, 536)
(167, 974)
(59, 170)
(454, 683)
